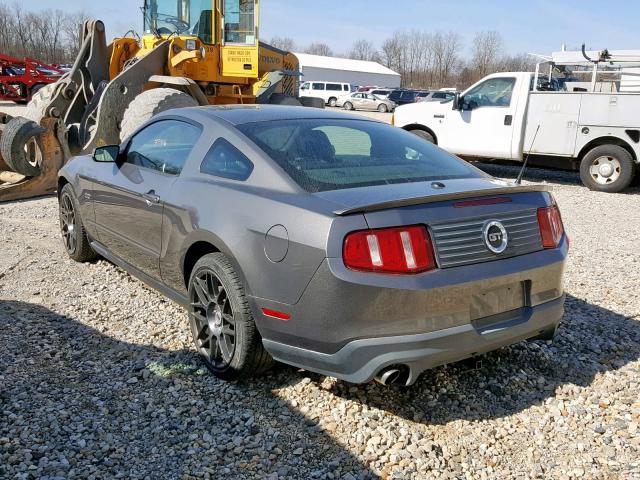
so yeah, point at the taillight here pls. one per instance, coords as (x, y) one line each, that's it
(389, 250)
(551, 228)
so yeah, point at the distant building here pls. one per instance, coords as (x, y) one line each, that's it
(355, 72)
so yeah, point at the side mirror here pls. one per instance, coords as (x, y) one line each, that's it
(108, 153)
(456, 102)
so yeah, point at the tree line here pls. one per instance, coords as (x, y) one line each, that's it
(52, 36)
(430, 59)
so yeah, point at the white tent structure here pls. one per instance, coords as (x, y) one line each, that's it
(355, 72)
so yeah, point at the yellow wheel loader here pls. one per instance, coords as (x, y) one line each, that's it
(192, 52)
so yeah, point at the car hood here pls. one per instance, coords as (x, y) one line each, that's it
(368, 199)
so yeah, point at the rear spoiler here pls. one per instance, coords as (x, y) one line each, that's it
(469, 194)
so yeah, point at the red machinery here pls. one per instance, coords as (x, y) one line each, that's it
(21, 78)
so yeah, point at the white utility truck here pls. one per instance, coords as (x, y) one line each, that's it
(579, 110)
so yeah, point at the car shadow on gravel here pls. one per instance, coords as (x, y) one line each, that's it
(591, 341)
(75, 402)
(510, 170)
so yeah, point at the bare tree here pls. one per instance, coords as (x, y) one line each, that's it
(446, 58)
(364, 50)
(319, 48)
(487, 51)
(72, 28)
(283, 43)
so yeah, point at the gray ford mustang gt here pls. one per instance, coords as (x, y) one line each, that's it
(319, 239)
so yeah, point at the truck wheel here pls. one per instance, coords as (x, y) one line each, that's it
(150, 103)
(607, 168)
(222, 325)
(40, 100)
(424, 135)
(21, 147)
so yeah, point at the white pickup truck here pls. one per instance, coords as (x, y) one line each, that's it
(594, 128)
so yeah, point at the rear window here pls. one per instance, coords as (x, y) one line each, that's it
(323, 154)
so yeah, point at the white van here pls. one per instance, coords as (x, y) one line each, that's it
(329, 91)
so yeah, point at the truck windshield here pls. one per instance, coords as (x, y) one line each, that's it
(180, 17)
(240, 22)
(331, 154)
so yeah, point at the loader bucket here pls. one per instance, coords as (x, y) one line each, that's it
(14, 186)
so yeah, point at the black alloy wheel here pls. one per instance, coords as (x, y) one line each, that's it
(212, 318)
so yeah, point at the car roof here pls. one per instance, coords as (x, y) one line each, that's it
(242, 114)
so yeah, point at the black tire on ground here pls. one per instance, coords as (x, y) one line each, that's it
(282, 99)
(74, 236)
(424, 135)
(333, 101)
(607, 168)
(382, 108)
(40, 100)
(312, 102)
(222, 325)
(150, 103)
(348, 106)
(21, 146)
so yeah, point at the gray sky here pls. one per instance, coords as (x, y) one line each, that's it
(539, 26)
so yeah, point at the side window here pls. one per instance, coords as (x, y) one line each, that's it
(345, 88)
(317, 86)
(226, 161)
(163, 146)
(438, 95)
(494, 92)
(305, 86)
(333, 87)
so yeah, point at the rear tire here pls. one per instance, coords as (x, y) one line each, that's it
(21, 147)
(424, 135)
(607, 168)
(333, 101)
(348, 106)
(150, 103)
(282, 99)
(74, 236)
(222, 325)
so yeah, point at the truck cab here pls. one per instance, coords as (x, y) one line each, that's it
(580, 123)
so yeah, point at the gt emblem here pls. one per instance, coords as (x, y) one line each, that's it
(495, 236)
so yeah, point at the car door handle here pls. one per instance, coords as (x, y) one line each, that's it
(438, 116)
(508, 119)
(151, 198)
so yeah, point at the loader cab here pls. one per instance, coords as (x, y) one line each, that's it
(231, 26)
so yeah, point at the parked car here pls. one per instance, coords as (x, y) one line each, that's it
(330, 242)
(403, 97)
(365, 101)
(381, 92)
(437, 96)
(329, 91)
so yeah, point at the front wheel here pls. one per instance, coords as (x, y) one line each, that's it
(348, 106)
(383, 108)
(74, 236)
(424, 135)
(222, 325)
(607, 168)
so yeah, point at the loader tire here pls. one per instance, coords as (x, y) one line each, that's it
(21, 146)
(282, 99)
(313, 102)
(150, 103)
(40, 100)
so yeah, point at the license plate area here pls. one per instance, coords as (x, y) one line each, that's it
(501, 299)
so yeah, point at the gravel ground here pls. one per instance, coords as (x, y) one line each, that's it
(98, 378)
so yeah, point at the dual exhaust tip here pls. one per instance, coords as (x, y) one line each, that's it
(393, 375)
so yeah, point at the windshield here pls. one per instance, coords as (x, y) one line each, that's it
(180, 17)
(239, 22)
(329, 154)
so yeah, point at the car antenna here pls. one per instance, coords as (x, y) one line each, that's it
(526, 160)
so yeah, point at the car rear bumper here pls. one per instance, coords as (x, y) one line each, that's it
(361, 360)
